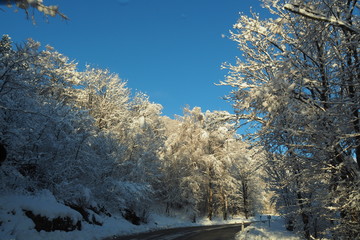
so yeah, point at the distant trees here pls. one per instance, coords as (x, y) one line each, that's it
(297, 82)
(201, 168)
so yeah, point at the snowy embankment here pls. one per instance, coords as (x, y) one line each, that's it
(262, 231)
(16, 222)
(17, 210)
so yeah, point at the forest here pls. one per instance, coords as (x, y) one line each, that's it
(87, 141)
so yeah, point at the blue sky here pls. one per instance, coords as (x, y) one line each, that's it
(171, 50)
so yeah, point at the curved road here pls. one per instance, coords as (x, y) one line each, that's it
(219, 232)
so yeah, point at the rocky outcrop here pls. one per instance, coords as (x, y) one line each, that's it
(44, 223)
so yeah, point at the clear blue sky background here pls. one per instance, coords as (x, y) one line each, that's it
(170, 49)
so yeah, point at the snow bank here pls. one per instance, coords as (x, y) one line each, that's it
(14, 224)
(262, 231)
(43, 204)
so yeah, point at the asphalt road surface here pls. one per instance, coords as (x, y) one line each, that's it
(219, 232)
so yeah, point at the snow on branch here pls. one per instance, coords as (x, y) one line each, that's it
(48, 10)
(306, 12)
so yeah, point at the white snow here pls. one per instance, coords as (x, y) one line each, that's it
(43, 204)
(14, 224)
(262, 231)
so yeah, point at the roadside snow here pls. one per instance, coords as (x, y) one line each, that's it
(163, 222)
(14, 224)
(262, 231)
(44, 204)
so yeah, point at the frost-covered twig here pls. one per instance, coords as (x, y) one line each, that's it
(320, 17)
(48, 10)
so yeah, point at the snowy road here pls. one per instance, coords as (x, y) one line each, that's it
(219, 232)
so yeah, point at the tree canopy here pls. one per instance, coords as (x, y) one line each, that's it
(298, 82)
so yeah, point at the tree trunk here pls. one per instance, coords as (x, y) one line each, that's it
(225, 207)
(245, 198)
(210, 202)
(2, 153)
(304, 216)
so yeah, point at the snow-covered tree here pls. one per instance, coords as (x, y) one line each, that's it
(219, 129)
(35, 126)
(106, 97)
(182, 166)
(145, 140)
(246, 167)
(296, 82)
(74, 133)
(201, 168)
(133, 122)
